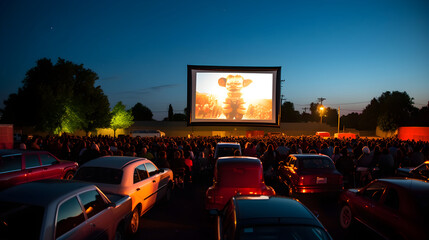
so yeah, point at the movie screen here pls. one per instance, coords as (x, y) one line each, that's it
(233, 95)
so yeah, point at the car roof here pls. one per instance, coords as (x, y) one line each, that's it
(272, 210)
(6, 152)
(228, 144)
(307, 155)
(414, 185)
(117, 162)
(41, 192)
(238, 160)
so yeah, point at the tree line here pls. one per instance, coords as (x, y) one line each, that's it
(61, 97)
(389, 111)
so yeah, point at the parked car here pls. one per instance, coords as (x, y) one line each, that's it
(236, 175)
(394, 208)
(224, 149)
(310, 173)
(137, 177)
(20, 166)
(268, 217)
(419, 172)
(59, 209)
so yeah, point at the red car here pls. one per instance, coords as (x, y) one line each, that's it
(236, 176)
(18, 166)
(310, 173)
(394, 208)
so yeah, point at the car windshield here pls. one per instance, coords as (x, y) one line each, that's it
(283, 232)
(99, 175)
(226, 151)
(239, 176)
(317, 163)
(16, 217)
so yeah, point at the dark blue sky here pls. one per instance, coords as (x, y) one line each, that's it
(345, 51)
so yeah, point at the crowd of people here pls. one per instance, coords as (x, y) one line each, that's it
(356, 159)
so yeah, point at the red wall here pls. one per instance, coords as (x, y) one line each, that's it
(6, 136)
(414, 133)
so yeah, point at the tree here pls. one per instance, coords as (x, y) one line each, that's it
(141, 112)
(121, 118)
(170, 112)
(288, 113)
(331, 115)
(58, 98)
(389, 111)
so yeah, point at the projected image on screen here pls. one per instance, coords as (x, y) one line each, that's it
(235, 95)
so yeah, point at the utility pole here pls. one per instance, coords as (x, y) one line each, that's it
(321, 100)
(339, 117)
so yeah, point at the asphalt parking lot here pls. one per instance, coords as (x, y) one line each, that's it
(184, 217)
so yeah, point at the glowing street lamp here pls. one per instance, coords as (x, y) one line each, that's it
(321, 110)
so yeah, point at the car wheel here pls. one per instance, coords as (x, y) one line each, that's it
(69, 175)
(346, 217)
(135, 221)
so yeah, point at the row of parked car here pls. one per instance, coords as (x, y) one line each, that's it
(395, 208)
(104, 199)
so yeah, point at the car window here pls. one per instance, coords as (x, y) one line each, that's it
(243, 176)
(92, 202)
(10, 163)
(140, 173)
(47, 159)
(152, 169)
(282, 232)
(392, 199)
(99, 175)
(31, 160)
(70, 215)
(374, 191)
(226, 151)
(16, 217)
(317, 163)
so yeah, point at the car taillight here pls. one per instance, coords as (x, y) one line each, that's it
(301, 181)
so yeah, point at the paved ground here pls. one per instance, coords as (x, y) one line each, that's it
(184, 217)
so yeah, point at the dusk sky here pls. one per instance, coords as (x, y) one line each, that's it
(346, 51)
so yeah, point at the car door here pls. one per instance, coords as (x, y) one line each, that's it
(70, 221)
(154, 177)
(11, 172)
(143, 187)
(367, 203)
(387, 216)
(99, 217)
(33, 168)
(50, 166)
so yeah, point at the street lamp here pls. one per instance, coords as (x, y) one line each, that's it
(321, 109)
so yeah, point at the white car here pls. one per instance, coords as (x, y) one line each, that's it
(137, 177)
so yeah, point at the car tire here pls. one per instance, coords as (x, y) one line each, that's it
(134, 222)
(346, 217)
(69, 175)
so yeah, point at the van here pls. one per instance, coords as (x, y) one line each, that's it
(147, 133)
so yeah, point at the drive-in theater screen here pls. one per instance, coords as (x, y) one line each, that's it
(233, 95)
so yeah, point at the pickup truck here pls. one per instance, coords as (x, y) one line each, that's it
(62, 209)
